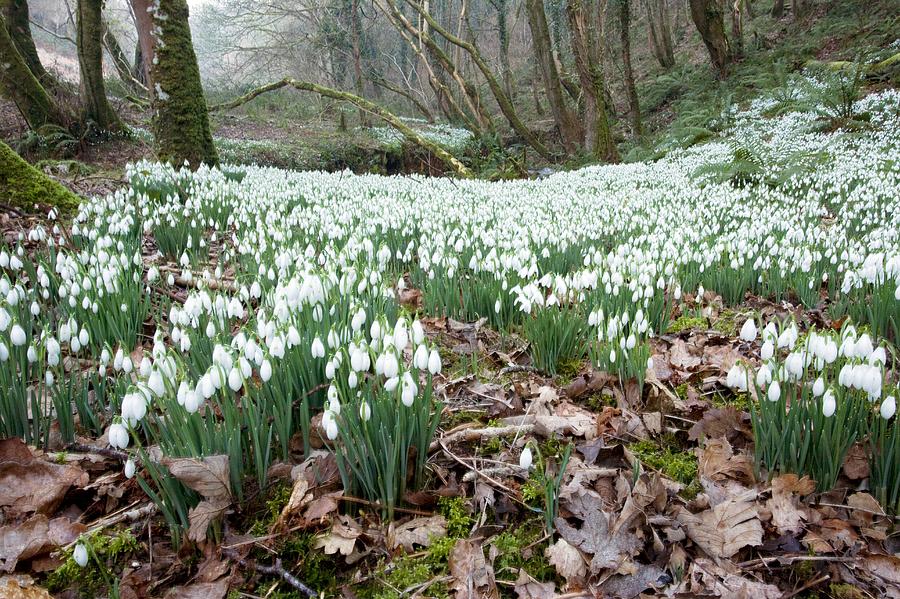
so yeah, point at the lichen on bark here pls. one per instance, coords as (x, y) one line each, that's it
(22, 186)
(181, 121)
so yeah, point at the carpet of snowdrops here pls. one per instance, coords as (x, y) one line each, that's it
(227, 311)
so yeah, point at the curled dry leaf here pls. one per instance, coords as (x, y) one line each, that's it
(199, 590)
(341, 538)
(209, 477)
(707, 578)
(787, 513)
(529, 588)
(15, 587)
(30, 484)
(299, 497)
(36, 536)
(723, 530)
(418, 531)
(473, 576)
(568, 561)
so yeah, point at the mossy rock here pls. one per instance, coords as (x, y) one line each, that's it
(22, 186)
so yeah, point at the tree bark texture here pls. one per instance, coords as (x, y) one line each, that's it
(707, 16)
(89, 39)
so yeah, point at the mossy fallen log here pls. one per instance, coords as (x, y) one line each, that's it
(22, 186)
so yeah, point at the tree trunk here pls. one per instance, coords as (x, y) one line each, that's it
(181, 121)
(538, 109)
(778, 9)
(598, 137)
(503, 35)
(123, 69)
(355, 38)
(22, 186)
(18, 84)
(381, 82)
(139, 70)
(800, 8)
(17, 24)
(569, 131)
(737, 28)
(659, 31)
(707, 16)
(503, 100)
(634, 108)
(90, 60)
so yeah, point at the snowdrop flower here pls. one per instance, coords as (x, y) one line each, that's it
(265, 371)
(118, 436)
(774, 392)
(192, 401)
(80, 555)
(418, 332)
(129, 468)
(365, 412)
(767, 351)
(525, 459)
(829, 405)
(434, 362)
(391, 367)
(17, 335)
(763, 376)
(748, 331)
(737, 378)
(888, 407)
(318, 348)
(818, 387)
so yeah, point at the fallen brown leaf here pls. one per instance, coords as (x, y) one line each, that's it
(787, 513)
(29, 484)
(418, 531)
(199, 590)
(21, 587)
(568, 561)
(529, 588)
(473, 576)
(341, 538)
(36, 536)
(726, 528)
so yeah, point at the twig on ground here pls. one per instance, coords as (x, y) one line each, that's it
(476, 434)
(518, 368)
(378, 505)
(107, 452)
(274, 570)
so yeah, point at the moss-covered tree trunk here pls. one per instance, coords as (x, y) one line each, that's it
(17, 25)
(634, 107)
(22, 186)
(707, 16)
(568, 127)
(778, 9)
(180, 121)
(18, 84)
(585, 47)
(123, 68)
(659, 31)
(90, 60)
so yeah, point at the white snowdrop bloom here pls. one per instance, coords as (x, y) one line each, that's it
(130, 467)
(134, 408)
(49, 379)
(818, 387)
(145, 368)
(408, 390)
(391, 384)
(192, 401)
(17, 336)
(80, 555)
(763, 376)
(418, 333)
(365, 411)
(4, 352)
(863, 346)
(612, 356)
(207, 385)
(888, 407)
(420, 357)
(83, 337)
(265, 371)
(434, 362)
(127, 365)
(829, 405)
(352, 380)
(525, 459)
(318, 348)
(235, 379)
(774, 392)
(878, 356)
(737, 378)
(118, 436)
(391, 367)
(767, 351)
(156, 384)
(331, 430)
(748, 331)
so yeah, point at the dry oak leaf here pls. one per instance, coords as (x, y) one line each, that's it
(321, 507)
(726, 528)
(529, 588)
(30, 484)
(717, 461)
(885, 567)
(15, 587)
(418, 531)
(863, 515)
(681, 357)
(300, 496)
(36, 536)
(341, 538)
(856, 464)
(199, 590)
(473, 576)
(706, 577)
(208, 476)
(787, 513)
(609, 541)
(568, 561)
